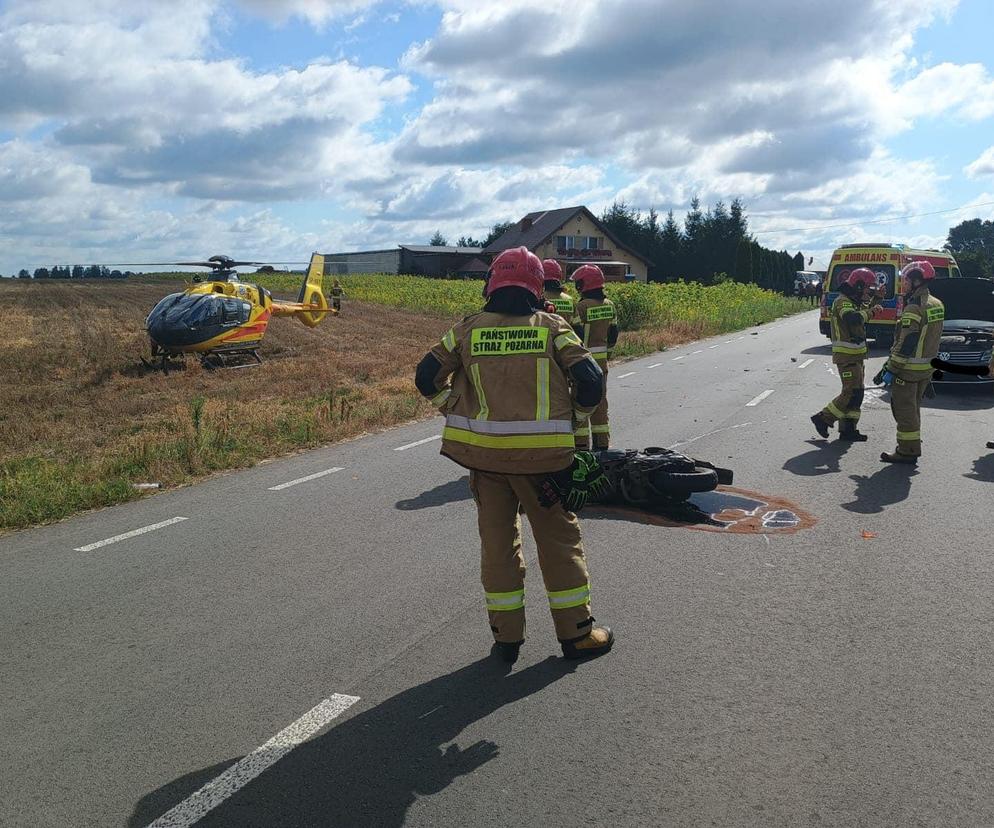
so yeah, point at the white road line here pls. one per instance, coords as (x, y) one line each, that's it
(757, 400)
(708, 434)
(657, 364)
(418, 443)
(714, 346)
(134, 533)
(309, 477)
(729, 342)
(806, 363)
(696, 352)
(195, 807)
(622, 376)
(740, 339)
(682, 356)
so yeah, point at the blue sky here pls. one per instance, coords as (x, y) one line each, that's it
(271, 128)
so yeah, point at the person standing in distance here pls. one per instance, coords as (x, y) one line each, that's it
(916, 344)
(509, 419)
(594, 323)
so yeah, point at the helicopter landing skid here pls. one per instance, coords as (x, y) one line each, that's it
(163, 362)
(231, 359)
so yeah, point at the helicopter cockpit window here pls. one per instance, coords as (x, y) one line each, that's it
(234, 311)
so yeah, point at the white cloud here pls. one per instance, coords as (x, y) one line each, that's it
(984, 165)
(315, 12)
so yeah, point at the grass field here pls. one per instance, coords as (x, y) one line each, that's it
(81, 420)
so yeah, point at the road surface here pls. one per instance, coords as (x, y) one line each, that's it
(307, 638)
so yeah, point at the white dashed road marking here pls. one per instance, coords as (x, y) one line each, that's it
(134, 533)
(418, 443)
(696, 352)
(655, 365)
(758, 399)
(622, 376)
(194, 808)
(682, 356)
(714, 346)
(806, 363)
(309, 477)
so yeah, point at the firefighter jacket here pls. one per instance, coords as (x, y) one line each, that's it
(848, 322)
(594, 318)
(562, 301)
(916, 342)
(508, 409)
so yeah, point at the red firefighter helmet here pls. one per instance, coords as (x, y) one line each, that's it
(553, 272)
(516, 267)
(924, 269)
(588, 277)
(862, 277)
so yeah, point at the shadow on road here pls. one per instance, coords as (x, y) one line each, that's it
(890, 485)
(983, 469)
(370, 769)
(824, 459)
(451, 492)
(960, 397)
(819, 349)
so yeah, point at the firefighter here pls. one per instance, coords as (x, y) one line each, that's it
(909, 366)
(561, 300)
(509, 419)
(594, 322)
(848, 321)
(336, 296)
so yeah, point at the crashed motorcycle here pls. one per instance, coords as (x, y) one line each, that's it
(651, 479)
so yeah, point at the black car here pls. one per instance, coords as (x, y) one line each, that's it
(968, 331)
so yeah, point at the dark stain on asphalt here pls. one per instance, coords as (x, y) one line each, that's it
(726, 509)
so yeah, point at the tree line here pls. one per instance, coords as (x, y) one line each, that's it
(972, 243)
(74, 272)
(712, 246)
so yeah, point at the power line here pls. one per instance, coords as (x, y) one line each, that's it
(873, 221)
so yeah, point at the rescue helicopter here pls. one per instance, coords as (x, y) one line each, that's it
(222, 320)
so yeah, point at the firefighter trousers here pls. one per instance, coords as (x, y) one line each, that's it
(499, 497)
(847, 405)
(906, 405)
(596, 426)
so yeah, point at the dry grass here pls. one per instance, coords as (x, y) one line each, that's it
(81, 420)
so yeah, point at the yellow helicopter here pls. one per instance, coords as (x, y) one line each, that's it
(222, 320)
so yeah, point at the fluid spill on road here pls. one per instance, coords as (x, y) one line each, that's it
(727, 509)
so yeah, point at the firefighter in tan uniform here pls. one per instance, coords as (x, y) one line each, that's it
(594, 322)
(553, 290)
(509, 419)
(916, 343)
(848, 320)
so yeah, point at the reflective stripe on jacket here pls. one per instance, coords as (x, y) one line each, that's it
(919, 332)
(596, 316)
(848, 324)
(509, 409)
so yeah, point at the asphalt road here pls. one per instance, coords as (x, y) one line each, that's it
(816, 678)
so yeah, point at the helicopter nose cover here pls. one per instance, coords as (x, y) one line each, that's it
(182, 319)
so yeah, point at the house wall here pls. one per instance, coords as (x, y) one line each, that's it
(581, 225)
(376, 261)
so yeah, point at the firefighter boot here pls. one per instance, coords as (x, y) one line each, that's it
(596, 642)
(821, 424)
(506, 651)
(848, 431)
(990, 445)
(897, 457)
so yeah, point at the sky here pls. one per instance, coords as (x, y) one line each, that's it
(137, 130)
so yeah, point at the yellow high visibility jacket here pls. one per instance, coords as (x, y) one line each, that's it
(848, 323)
(596, 316)
(919, 332)
(562, 301)
(508, 408)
